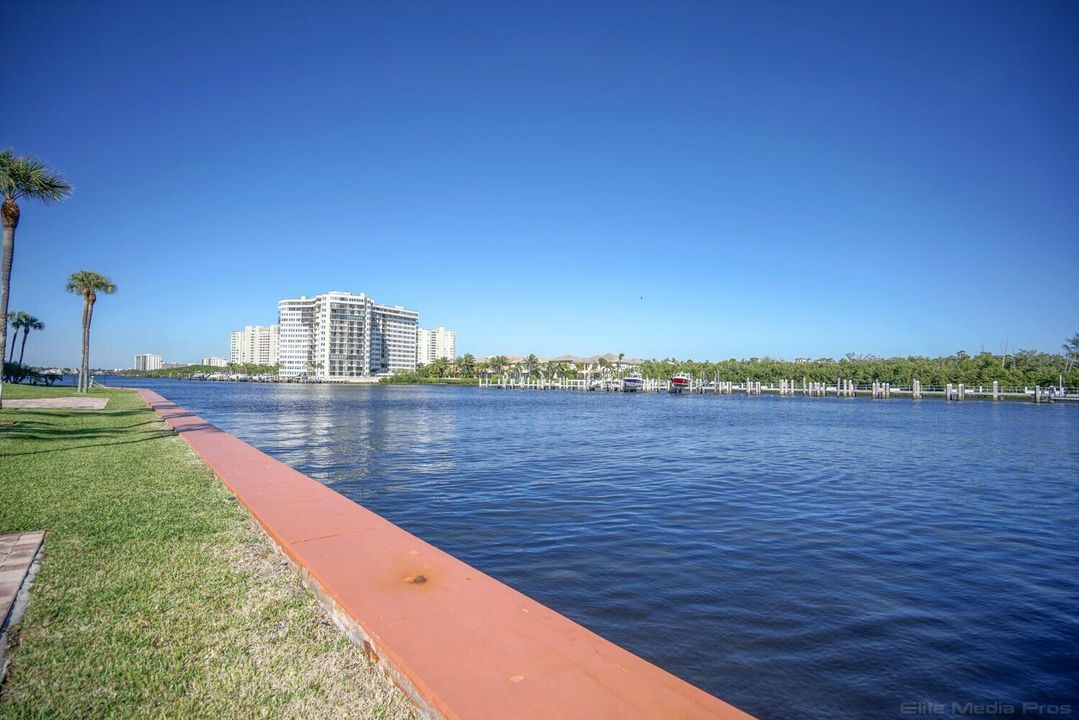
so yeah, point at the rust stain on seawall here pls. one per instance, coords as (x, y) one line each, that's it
(459, 642)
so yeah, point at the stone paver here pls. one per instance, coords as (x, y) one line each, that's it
(68, 403)
(459, 642)
(17, 552)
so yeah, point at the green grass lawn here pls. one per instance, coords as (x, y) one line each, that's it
(158, 595)
(18, 392)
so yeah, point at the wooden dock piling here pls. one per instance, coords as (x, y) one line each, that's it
(784, 387)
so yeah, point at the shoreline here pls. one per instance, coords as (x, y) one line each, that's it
(879, 391)
(417, 611)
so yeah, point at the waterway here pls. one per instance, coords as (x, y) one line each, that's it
(798, 557)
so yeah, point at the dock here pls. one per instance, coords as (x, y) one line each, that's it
(840, 388)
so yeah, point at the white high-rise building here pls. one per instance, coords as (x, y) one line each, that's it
(147, 361)
(214, 361)
(295, 321)
(434, 344)
(340, 336)
(254, 344)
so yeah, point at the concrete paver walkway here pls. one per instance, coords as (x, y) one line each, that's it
(70, 403)
(17, 552)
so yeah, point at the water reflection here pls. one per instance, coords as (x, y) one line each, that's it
(798, 557)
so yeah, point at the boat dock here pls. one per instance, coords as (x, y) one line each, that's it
(806, 388)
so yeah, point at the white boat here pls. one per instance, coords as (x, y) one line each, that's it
(633, 383)
(680, 383)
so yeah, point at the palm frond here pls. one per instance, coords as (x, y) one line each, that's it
(84, 281)
(23, 176)
(20, 318)
(29, 322)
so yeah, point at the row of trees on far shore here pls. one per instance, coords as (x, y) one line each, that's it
(467, 367)
(186, 371)
(1022, 368)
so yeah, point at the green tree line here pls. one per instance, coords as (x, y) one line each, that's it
(185, 371)
(1023, 368)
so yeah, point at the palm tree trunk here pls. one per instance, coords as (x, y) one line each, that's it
(9, 213)
(14, 339)
(86, 339)
(85, 359)
(22, 348)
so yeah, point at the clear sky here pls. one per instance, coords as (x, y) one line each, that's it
(703, 180)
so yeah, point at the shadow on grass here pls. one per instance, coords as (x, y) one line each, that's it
(30, 430)
(89, 445)
(22, 424)
(59, 434)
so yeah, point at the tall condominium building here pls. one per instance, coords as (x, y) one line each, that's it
(341, 336)
(295, 322)
(434, 344)
(214, 361)
(254, 344)
(146, 361)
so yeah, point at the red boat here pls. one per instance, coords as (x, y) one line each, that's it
(680, 382)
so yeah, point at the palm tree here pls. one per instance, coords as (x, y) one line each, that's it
(88, 284)
(16, 320)
(439, 367)
(20, 177)
(498, 363)
(467, 365)
(29, 322)
(1071, 352)
(531, 364)
(314, 367)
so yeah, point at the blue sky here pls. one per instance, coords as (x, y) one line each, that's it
(704, 180)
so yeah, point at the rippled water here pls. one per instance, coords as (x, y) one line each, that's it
(798, 557)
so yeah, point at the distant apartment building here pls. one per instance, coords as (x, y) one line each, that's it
(254, 345)
(148, 361)
(214, 361)
(434, 344)
(340, 336)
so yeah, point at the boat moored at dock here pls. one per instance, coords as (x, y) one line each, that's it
(680, 383)
(633, 383)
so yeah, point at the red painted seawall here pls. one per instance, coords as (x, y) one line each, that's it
(461, 643)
